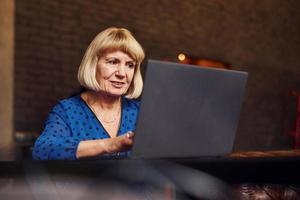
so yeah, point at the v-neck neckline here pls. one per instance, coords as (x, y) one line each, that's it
(99, 122)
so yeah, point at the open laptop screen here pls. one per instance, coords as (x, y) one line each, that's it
(188, 111)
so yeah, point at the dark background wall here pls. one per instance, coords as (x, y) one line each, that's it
(257, 36)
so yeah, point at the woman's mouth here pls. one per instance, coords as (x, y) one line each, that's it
(117, 84)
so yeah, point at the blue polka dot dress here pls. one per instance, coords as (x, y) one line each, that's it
(72, 121)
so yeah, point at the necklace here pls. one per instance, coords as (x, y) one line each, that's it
(101, 118)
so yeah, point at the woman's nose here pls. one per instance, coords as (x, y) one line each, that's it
(121, 70)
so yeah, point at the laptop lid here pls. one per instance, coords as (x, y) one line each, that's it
(188, 111)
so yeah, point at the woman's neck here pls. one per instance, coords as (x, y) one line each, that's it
(104, 101)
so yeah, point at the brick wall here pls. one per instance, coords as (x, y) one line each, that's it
(258, 36)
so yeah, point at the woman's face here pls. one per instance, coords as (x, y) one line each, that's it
(115, 72)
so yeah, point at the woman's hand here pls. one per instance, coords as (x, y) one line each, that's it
(95, 148)
(120, 143)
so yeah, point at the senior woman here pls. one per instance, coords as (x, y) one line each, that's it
(100, 121)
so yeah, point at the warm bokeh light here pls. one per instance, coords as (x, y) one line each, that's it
(181, 57)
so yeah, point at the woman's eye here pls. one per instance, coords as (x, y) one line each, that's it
(131, 65)
(112, 62)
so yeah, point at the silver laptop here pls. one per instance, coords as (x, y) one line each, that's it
(188, 111)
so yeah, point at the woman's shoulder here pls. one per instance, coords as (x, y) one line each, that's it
(132, 103)
(68, 103)
(71, 100)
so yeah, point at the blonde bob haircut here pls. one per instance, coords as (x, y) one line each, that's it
(112, 39)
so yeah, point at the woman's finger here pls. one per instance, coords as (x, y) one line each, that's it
(129, 134)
